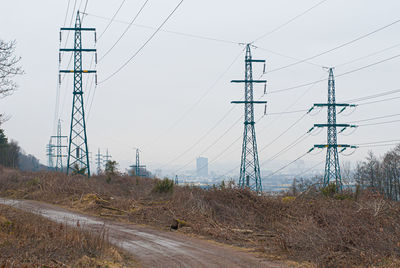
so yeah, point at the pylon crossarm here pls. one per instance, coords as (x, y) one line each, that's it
(78, 49)
(321, 146)
(253, 102)
(334, 125)
(333, 104)
(249, 81)
(251, 60)
(77, 29)
(78, 71)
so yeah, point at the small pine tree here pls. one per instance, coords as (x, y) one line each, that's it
(111, 167)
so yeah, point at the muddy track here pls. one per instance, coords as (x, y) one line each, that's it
(152, 248)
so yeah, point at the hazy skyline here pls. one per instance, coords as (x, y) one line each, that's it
(167, 98)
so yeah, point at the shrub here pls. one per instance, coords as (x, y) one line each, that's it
(164, 186)
(329, 190)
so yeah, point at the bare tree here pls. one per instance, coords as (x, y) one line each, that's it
(9, 68)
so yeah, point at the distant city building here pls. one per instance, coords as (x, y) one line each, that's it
(202, 167)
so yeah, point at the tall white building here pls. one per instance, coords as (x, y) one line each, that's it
(202, 167)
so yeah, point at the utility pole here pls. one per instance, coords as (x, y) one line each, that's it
(176, 180)
(78, 153)
(59, 147)
(137, 167)
(99, 161)
(50, 155)
(250, 167)
(332, 164)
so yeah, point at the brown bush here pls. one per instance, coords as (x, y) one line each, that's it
(28, 240)
(329, 232)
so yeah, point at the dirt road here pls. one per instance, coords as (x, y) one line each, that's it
(152, 248)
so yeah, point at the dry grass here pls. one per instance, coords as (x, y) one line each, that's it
(28, 240)
(310, 229)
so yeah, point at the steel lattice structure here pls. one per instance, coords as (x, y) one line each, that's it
(249, 168)
(78, 154)
(50, 155)
(137, 166)
(99, 161)
(59, 148)
(332, 164)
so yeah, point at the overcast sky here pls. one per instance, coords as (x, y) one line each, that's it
(178, 87)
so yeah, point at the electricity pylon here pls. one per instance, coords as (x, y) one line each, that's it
(78, 154)
(50, 155)
(99, 161)
(332, 164)
(137, 167)
(59, 147)
(250, 167)
(107, 157)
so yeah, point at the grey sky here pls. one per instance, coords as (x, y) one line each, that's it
(138, 106)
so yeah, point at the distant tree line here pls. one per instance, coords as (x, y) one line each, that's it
(9, 152)
(380, 175)
(9, 68)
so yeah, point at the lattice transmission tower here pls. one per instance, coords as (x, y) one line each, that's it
(78, 154)
(50, 155)
(107, 157)
(59, 148)
(137, 167)
(99, 161)
(332, 164)
(249, 168)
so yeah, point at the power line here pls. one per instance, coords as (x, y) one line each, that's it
(57, 104)
(286, 56)
(111, 20)
(287, 148)
(379, 145)
(369, 55)
(202, 37)
(218, 139)
(205, 135)
(125, 31)
(215, 142)
(283, 133)
(339, 75)
(86, 4)
(379, 123)
(289, 21)
(185, 114)
(66, 13)
(172, 32)
(371, 102)
(352, 100)
(369, 65)
(337, 47)
(285, 166)
(375, 95)
(288, 112)
(143, 46)
(374, 118)
(309, 169)
(377, 142)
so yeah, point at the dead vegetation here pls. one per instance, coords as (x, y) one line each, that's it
(310, 229)
(28, 240)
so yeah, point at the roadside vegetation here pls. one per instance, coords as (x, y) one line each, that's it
(28, 240)
(331, 230)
